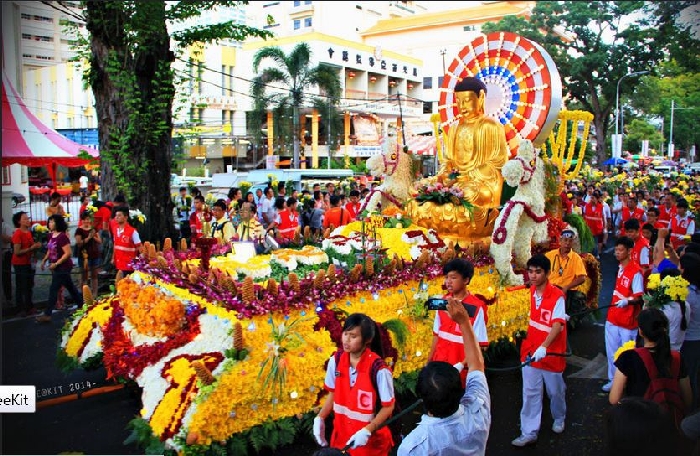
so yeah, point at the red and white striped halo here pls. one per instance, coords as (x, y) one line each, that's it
(524, 90)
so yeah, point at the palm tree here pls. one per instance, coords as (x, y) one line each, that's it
(294, 72)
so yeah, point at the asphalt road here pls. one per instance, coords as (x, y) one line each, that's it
(96, 425)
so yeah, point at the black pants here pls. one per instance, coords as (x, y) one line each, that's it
(24, 284)
(59, 279)
(7, 274)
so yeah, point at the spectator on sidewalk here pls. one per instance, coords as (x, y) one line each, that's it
(88, 241)
(58, 255)
(55, 206)
(23, 247)
(336, 216)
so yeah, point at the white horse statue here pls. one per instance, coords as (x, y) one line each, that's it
(397, 184)
(522, 219)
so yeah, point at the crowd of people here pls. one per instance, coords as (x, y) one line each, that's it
(267, 217)
(103, 241)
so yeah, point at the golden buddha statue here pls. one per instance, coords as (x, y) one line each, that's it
(476, 147)
(476, 152)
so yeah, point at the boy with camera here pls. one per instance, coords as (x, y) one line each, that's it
(447, 337)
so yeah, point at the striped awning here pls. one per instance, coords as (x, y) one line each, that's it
(421, 145)
(28, 141)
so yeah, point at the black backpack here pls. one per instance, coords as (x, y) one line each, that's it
(665, 391)
(396, 427)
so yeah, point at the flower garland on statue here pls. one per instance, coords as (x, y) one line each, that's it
(501, 233)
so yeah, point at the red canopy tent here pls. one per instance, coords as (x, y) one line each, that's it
(26, 140)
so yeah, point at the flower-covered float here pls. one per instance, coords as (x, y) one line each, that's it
(229, 351)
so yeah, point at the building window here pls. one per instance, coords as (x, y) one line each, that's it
(6, 180)
(26, 36)
(427, 107)
(297, 24)
(440, 79)
(427, 83)
(44, 57)
(26, 16)
(307, 22)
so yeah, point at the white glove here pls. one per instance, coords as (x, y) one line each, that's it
(622, 303)
(359, 439)
(540, 353)
(320, 431)
(459, 367)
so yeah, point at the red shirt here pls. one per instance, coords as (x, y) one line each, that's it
(25, 240)
(103, 214)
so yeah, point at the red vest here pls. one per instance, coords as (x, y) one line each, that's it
(353, 209)
(679, 226)
(594, 218)
(354, 407)
(665, 215)
(196, 225)
(124, 248)
(636, 253)
(625, 317)
(450, 345)
(289, 222)
(540, 326)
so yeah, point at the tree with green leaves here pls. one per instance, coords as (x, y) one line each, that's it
(677, 83)
(132, 78)
(595, 44)
(285, 83)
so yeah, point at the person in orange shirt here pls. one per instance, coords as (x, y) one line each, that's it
(568, 271)
(336, 215)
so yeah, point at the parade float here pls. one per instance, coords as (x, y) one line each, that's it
(229, 349)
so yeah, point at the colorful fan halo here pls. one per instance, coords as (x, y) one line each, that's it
(524, 90)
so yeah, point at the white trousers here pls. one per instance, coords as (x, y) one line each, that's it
(615, 337)
(531, 413)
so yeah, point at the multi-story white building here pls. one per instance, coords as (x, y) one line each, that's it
(379, 49)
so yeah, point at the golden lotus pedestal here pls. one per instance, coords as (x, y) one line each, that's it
(455, 223)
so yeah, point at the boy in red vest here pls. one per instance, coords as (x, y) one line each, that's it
(126, 243)
(546, 333)
(353, 206)
(621, 325)
(288, 219)
(682, 225)
(640, 252)
(593, 214)
(447, 338)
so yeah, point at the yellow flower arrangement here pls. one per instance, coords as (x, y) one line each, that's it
(661, 292)
(94, 318)
(629, 345)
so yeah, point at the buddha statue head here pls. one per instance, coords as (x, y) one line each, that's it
(470, 95)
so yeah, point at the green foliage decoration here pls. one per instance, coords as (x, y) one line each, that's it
(584, 232)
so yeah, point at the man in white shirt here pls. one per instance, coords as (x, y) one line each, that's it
(267, 209)
(457, 420)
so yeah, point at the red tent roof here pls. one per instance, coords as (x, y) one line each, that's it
(28, 141)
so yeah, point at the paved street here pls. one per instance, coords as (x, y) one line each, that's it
(96, 425)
